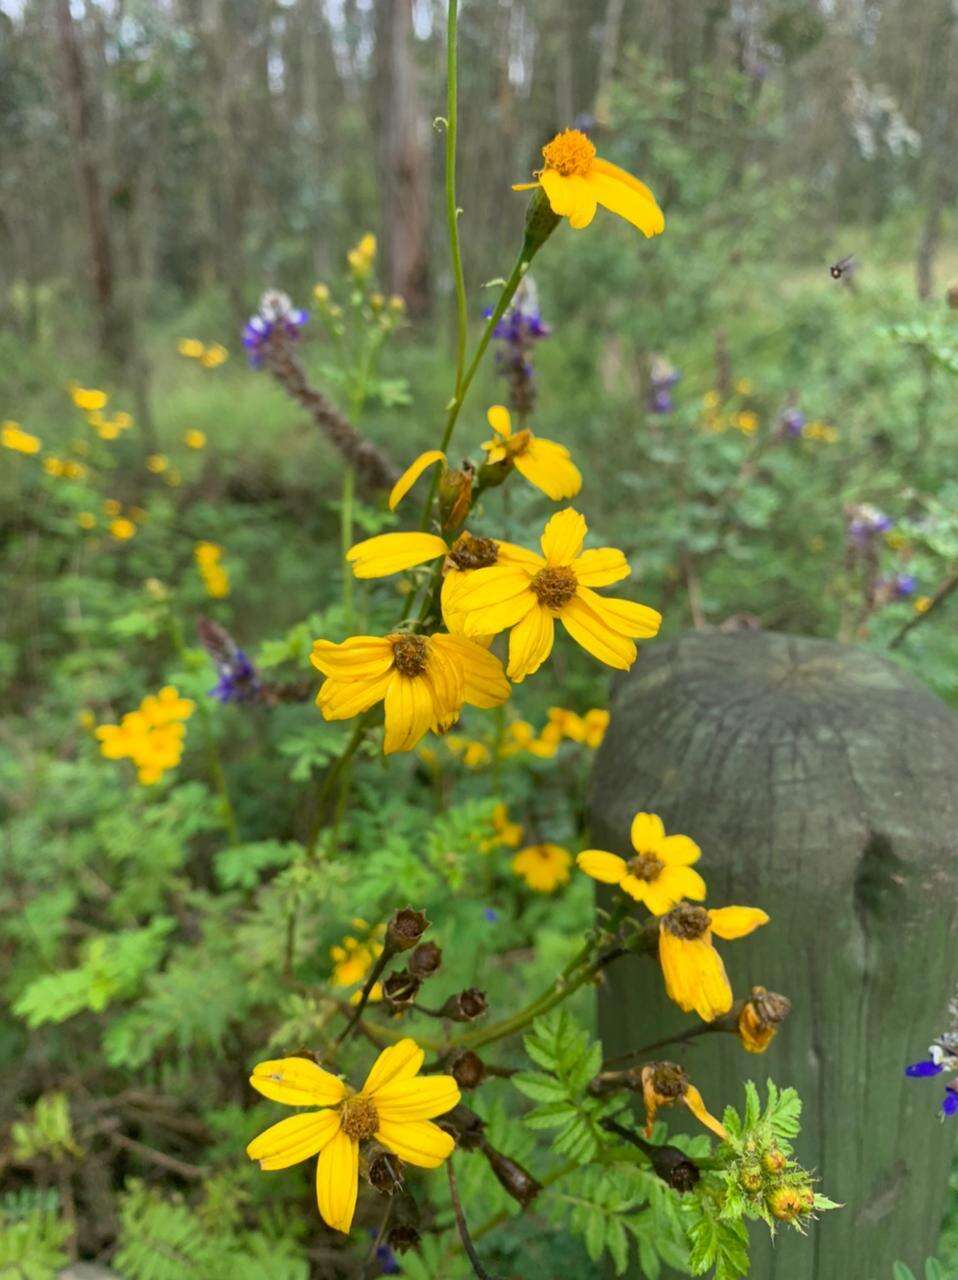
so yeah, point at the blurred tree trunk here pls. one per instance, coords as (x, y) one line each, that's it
(940, 140)
(403, 162)
(80, 117)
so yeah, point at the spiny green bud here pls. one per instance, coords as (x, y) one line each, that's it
(750, 1177)
(774, 1161)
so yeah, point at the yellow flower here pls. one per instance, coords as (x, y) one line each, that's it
(596, 722)
(354, 957)
(12, 436)
(152, 736)
(664, 1084)
(528, 594)
(362, 256)
(660, 875)
(194, 439)
(157, 463)
(395, 1107)
(576, 180)
(111, 507)
(422, 680)
(760, 1017)
(747, 422)
(744, 386)
(711, 400)
(820, 431)
(74, 470)
(923, 604)
(86, 519)
(122, 420)
(122, 529)
(695, 976)
(545, 464)
(53, 466)
(544, 867)
(192, 348)
(166, 706)
(473, 753)
(88, 398)
(214, 356)
(321, 293)
(504, 832)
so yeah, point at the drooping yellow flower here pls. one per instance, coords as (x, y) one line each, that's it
(88, 398)
(546, 465)
(528, 596)
(194, 439)
(544, 867)
(666, 1083)
(576, 180)
(423, 681)
(660, 874)
(695, 976)
(192, 348)
(760, 1017)
(122, 529)
(395, 1107)
(12, 436)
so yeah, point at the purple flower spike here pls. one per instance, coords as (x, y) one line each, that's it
(949, 1105)
(276, 318)
(918, 1070)
(517, 333)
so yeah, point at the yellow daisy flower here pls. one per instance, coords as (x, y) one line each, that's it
(527, 596)
(192, 348)
(422, 680)
(12, 436)
(576, 180)
(546, 465)
(194, 439)
(666, 1083)
(695, 976)
(596, 722)
(660, 874)
(505, 832)
(157, 463)
(544, 867)
(88, 398)
(122, 529)
(395, 1107)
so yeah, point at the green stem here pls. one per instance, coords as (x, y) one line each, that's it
(452, 209)
(559, 991)
(330, 779)
(346, 541)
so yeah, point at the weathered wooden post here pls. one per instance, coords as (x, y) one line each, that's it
(821, 782)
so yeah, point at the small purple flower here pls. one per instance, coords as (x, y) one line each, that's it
(491, 915)
(660, 402)
(866, 523)
(276, 316)
(919, 1070)
(904, 585)
(238, 680)
(662, 378)
(793, 421)
(949, 1105)
(517, 333)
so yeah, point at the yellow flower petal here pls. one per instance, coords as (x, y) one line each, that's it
(498, 418)
(695, 1103)
(680, 882)
(530, 643)
(695, 976)
(418, 1099)
(647, 833)
(492, 586)
(637, 621)
(509, 553)
(418, 1142)
(601, 567)
(294, 1139)
(609, 868)
(355, 658)
(570, 197)
(483, 679)
(337, 1182)
(410, 712)
(393, 552)
(619, 197)
(297, 1082)
(611, 170)
(412, 474)
(343, 699)
(678, 851)
(595, 636)
(549, 468)
(653, 893)
(737, 922)
(401, 1061)
(563, 536)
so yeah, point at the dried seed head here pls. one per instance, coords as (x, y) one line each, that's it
(468, 552)
(468, 1070)
(466, 1005)
(686, 922)
(405, 929)
(425, 961)
(385, 1171)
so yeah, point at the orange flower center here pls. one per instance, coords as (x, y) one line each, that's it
(409, 654)
(359, 1118)
(687, 922)
(473, 553)
(569, 153)
(555, 586)
(646, 866)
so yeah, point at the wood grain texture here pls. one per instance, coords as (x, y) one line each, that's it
(820, 782)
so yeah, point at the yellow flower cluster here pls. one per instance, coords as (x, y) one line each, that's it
(91, 402)
(216, 579)
(13, 436)
(354, 956)
(820, 431)
(561, 724)
(544, 867)
(152, 736)
(362, 256)
(208, 356)
(69, 468)
(504, 831)
(661, 876)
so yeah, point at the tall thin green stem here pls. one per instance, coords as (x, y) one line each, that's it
(346, 541)
(452, 208)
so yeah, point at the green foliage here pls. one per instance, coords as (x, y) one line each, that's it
(933, 1270)
(48, 1131)
(32, 1236)
(569, 1061)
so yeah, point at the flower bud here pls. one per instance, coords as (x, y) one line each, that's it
(514, 1180)
(455, 497)
(384, 1171)
(465, 1006)
(789, 1203)
(400, 990)
(760, 1017)
(403, 1233)
(464, 1125)
(774, 1161)
(751, 1178)
(404, 930)
(468, 1070)
(425, 961)
(540, 224)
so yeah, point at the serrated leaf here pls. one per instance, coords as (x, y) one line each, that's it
(539, 1087)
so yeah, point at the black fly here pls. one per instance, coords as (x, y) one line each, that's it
(844, 268)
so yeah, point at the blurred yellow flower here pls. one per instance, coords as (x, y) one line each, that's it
(122, 529)
(575, 181)
(711, 400)
(395, 1107)
(744, 386)
(504, 832)
(208, 556)
(546, 465)
(746, 422)
(818, 430)
(157, 463)
(53, 466)
(923, 604)
(192, 348)
(214, 356)
(111, 507)
(596, 722)
(695, 976)
(174, 477)
(321, 292)
(362, 256)
(88, 398)
(152, 736)
(354, 957)
(12, 436)
(473, 753)
(194, 439)
(544, 867)
(660, 875)
(86, 519)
